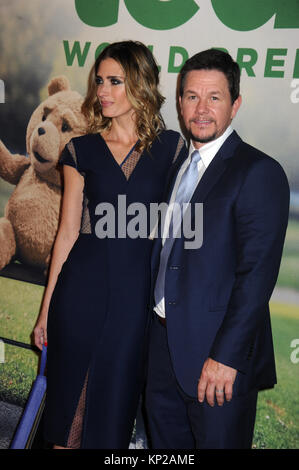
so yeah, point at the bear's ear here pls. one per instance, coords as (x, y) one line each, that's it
(58, 84)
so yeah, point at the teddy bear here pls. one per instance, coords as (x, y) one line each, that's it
(30, 222)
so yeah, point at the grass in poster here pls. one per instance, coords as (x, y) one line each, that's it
(19, 307)
(277, 423)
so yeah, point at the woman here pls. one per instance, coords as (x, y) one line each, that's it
(98, 289)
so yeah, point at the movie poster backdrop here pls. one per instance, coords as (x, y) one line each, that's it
(49, 47)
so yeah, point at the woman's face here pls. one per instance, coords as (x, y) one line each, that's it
(111, 90)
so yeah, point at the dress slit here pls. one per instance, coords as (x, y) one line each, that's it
(75, 434)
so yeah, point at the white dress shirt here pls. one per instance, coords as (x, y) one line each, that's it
(207, 153)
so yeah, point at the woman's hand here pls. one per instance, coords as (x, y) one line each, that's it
(40, 330)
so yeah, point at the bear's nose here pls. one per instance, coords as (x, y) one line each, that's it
(41, 131)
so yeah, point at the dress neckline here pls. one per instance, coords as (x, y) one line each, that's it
(125, 160)
(129, 154)
(126, 157)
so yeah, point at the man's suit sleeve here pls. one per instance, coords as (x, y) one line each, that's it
(261, 215)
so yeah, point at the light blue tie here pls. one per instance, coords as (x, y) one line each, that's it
(184, 193)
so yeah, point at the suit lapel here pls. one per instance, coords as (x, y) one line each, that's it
(216, 168)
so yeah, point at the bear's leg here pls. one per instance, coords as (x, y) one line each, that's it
(7, 242)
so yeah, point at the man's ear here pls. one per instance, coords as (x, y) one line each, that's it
(180, 103)
(236, 105)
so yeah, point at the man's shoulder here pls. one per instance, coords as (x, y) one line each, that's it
(246, 152)
(256, 161)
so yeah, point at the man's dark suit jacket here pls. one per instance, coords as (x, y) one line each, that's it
(217, 296)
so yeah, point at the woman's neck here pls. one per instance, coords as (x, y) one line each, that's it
(122, 130)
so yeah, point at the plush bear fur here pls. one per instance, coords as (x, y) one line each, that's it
(28, 229)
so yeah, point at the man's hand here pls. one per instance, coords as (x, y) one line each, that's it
(216, 378)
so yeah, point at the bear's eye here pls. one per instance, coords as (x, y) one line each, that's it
(44, 117)
(65, 127)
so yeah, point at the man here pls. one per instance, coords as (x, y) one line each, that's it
(211, 347)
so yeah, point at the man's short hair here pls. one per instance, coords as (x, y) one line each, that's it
(214, 59)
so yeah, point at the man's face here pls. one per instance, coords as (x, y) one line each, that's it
(206, 105)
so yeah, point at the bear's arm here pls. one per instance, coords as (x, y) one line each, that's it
(12, 166)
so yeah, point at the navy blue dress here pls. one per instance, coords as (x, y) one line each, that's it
(98, 316)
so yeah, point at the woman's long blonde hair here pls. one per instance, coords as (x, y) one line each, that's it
(141, 82)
